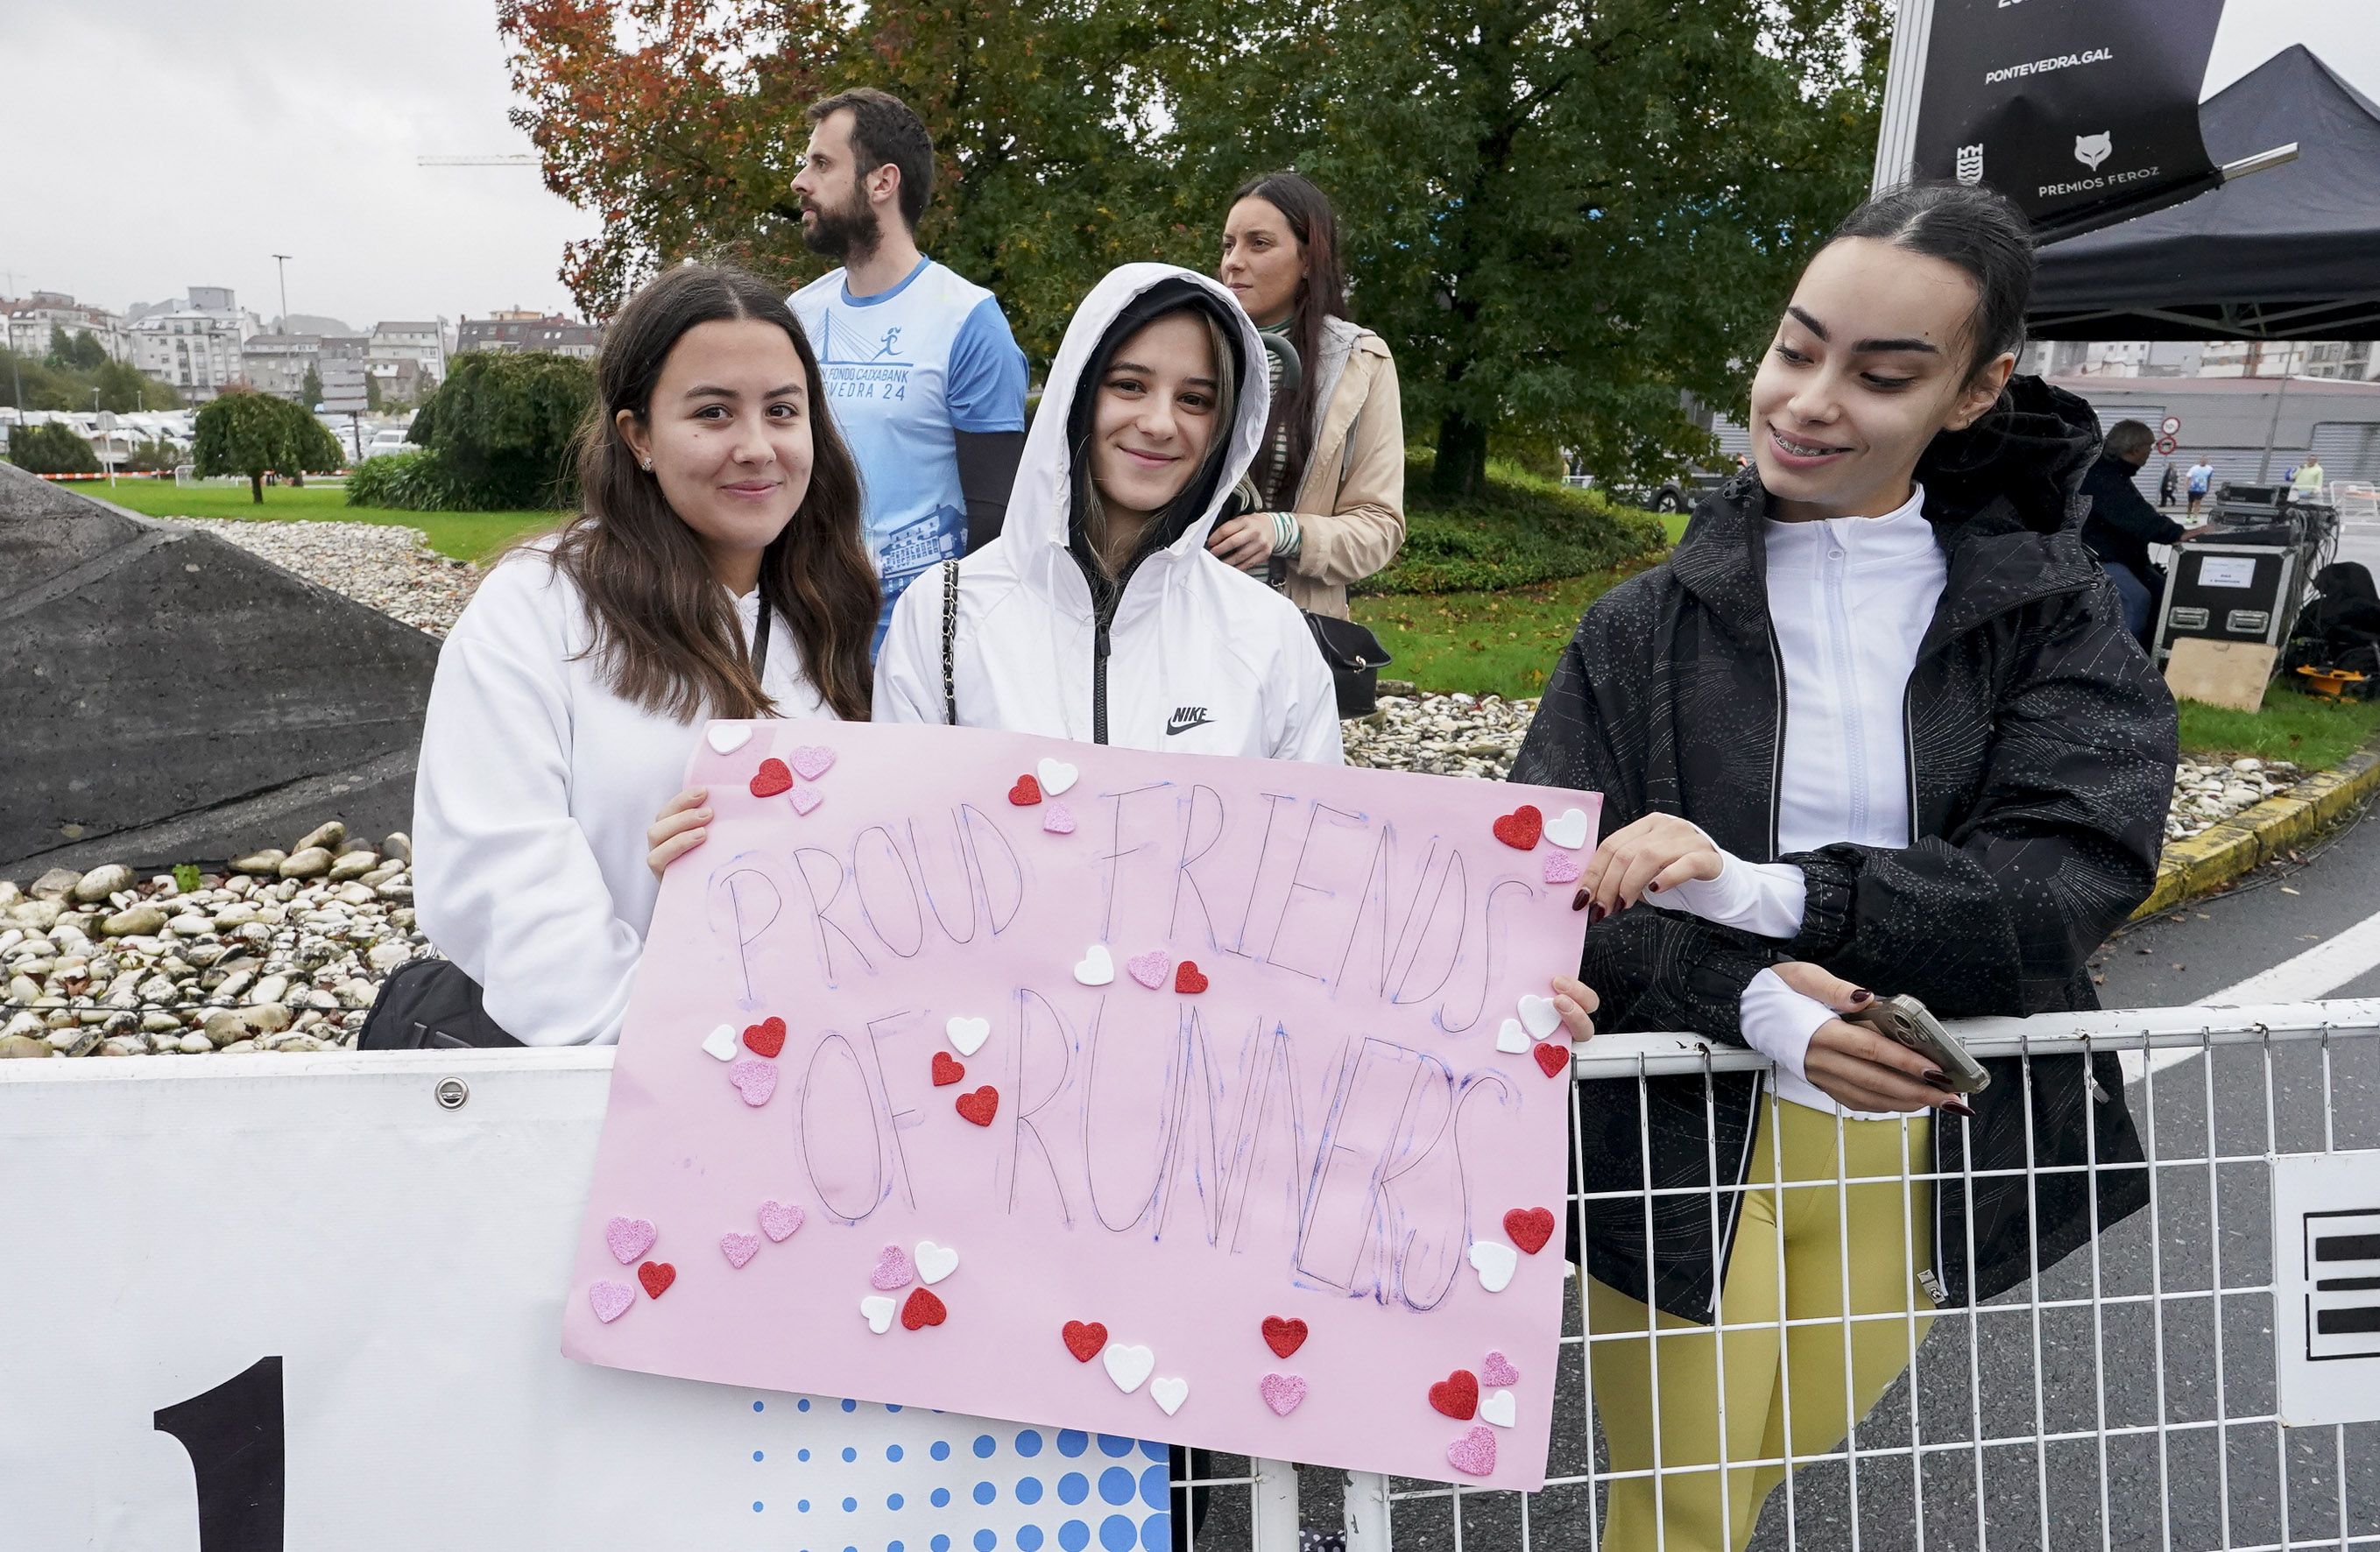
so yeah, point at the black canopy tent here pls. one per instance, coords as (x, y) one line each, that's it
(2292, 252)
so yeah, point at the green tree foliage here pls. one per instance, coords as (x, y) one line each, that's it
(504, 426)
(50, 449)
(1560, 214)
(122, 386)
(310, 392)
(89, 354)
(256, 434)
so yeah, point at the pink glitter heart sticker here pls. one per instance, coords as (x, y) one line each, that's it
(805, 799)
(739, 1248)
(1282, 1392)
(1475, 1453)
(1499, 1370)
(778, 1223)
(610, 1300)
(810, 761)
(628, 1239)
(1057, 821)
(1150, 969)
(1562, 868)
(894, 1270)
(754, 1079)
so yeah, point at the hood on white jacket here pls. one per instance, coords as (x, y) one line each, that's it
(1041, 505)
(1196, 657)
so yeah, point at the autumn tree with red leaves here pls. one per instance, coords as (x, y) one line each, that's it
(1559, 214)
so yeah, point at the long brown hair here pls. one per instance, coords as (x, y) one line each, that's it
(665, 630)
(1322, 294)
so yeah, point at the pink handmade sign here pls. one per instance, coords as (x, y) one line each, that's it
(1205, 1099)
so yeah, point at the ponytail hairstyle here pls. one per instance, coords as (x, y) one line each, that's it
(1322, 294)
(665, 630)
(1972, 229)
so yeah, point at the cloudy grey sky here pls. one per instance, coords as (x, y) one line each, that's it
(153, 145)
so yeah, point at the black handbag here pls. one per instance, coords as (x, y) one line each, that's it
(1354, 657)
(429, 1004)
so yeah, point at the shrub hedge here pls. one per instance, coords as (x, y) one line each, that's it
(1524, 530)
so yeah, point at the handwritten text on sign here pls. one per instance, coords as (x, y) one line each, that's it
(1207, 1099)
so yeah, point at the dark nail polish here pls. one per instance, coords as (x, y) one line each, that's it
(1579, 901)
(1939, 1081)
(1596, 914)
(1958, 1108)
(1652, 889)
(1862, 994)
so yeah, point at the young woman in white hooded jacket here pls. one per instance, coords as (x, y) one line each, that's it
(1098, 614)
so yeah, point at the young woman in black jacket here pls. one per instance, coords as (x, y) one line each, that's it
(1877, 727)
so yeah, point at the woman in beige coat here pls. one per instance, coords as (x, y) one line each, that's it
(1331, 473)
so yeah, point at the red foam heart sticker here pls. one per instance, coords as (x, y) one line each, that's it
(656, 1276)
(1084, 1338)
(1457, 1395)
(1521, 828)
(1025, 794)
(1284, 1337)
(1529, 1228)
(1189, 980)
(766, 1037)
(980, 1106)
(1553, 1060)
(923, 1309)
(773, 779)
(946, 1069)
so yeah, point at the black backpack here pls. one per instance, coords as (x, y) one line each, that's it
(429, 1004)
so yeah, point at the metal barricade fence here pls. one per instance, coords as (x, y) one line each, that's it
(2123, 1399)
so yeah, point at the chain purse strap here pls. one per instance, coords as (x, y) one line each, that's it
(950, 642)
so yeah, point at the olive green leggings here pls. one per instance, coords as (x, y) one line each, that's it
(1797, 1386)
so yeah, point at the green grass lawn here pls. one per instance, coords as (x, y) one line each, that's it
(2304, 730)
(466, 536)
(1499, 643)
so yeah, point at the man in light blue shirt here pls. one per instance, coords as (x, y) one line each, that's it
(922, 375)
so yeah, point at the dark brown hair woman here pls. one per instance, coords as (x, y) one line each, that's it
(714, 571)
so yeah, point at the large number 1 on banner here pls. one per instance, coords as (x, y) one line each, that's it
(237, 1450)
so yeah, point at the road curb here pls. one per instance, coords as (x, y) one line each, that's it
(2215, 856)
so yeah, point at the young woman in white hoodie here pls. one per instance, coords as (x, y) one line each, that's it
(715, 570)
(1098, 614)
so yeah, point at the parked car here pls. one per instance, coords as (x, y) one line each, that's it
(388, 439)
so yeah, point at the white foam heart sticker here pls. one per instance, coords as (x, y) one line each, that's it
(1495, 1264)
(1567, 830)
(721, 1043)
(1512, 1039)
(1056, 776)
(1498, 1407)
(936, 1262)
(879, 1311)
(1127, 1364)
(1097, 968)
(728, 737)
(1169, 1394)
(968, 1034)
(1540, 1016)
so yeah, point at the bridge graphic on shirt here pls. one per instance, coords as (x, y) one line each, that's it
(840, 344)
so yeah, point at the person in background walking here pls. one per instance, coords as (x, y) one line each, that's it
(2168, 483)
(2201, 474)
(2306, 482)
(2121, 525)
(1331, 472)
(927, 382)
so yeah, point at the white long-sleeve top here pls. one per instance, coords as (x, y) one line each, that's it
(537, 783)
(1850, 599)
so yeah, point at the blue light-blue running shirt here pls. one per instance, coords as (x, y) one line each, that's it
(905, 370)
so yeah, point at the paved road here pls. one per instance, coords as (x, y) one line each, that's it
(2139, 1491)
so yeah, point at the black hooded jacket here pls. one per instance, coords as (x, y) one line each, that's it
(2041, 759)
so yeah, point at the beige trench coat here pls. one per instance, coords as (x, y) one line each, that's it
(1351, 507)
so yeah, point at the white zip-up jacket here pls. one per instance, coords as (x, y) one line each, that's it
(1200, 657)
